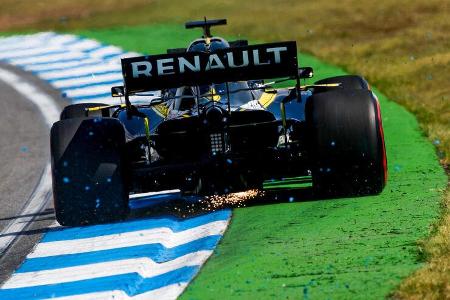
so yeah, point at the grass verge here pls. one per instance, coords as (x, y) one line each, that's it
(341, 248)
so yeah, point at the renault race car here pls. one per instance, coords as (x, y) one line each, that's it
(211, 123)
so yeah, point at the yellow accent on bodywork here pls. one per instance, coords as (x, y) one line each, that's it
(215, 97)
(212, 95)
(304, 87)
(96, 108)
(266, 99)
(162, 110)
(147, 128)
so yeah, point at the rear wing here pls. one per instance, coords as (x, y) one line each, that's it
(263, 61)
(206, 25)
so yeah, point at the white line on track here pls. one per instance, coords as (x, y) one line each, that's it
(50, 67)
(98, 89)
(47, 58)
(165, 293)
(24, 42)
(107, 50)
(44, 103)
(37, 202)
(143, 266)
(81, 71)
(29, 52)
(162, 235)
(87, 80)
(84, 45)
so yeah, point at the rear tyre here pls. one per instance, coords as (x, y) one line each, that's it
(346, 143)
(79, 111)
(88, 170)
(354, 82)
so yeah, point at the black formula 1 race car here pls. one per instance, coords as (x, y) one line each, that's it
(210, 123)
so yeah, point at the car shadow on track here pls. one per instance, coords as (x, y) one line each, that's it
(46, 212)
(41, 217)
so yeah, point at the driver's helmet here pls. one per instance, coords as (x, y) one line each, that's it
(201, 45)
(207, 92)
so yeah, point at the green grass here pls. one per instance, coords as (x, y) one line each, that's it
(355, 248)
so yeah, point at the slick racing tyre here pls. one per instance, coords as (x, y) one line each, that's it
(79, 111)
(88, 169)
(354, 82)
(346, 143)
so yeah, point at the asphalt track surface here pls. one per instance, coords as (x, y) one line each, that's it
(24, 154)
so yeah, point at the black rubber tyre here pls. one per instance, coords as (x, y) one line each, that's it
(79, 111)
(346, 143)
(88, 169)
(354, 82)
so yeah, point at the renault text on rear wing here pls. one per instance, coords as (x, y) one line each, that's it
(263, 61)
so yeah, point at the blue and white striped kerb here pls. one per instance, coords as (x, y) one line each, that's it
(152, 258)
(141, 259)
(82, 69)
